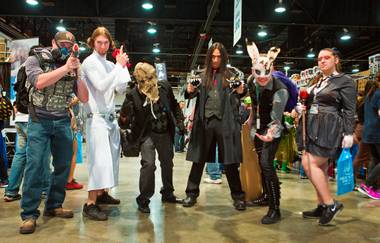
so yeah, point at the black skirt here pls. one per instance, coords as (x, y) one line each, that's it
(314, 149)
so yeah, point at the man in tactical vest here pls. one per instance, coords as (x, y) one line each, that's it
(54, 75)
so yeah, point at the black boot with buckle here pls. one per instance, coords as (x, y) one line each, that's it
(274, 214)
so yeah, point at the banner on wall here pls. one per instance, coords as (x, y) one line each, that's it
(161, 71)
(19, 54)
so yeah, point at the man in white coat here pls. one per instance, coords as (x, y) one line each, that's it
(103, 78)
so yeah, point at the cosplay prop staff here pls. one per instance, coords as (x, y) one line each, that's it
(303, 95)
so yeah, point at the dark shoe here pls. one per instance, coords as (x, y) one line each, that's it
(315, 213)
(239, 205)
(171, 199)
(189, 202)
(4, 184)
(59, 212)
(105, 198)
(28, 226)
(273, 216)
(259, 202)
(143, 206)
(10, 198)
(330, 212)
(94, 212)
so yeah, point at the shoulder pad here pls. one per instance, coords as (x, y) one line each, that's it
(43, 55)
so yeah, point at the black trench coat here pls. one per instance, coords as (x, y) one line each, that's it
(230, 101)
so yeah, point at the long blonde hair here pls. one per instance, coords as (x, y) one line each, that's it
(97, 32)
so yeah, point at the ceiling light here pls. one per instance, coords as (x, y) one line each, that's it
(152, 29)
(60, 26)
(280, 7)
(262, 31)
(345, 35)
(32, 2)
(147, 5)
(239, 50)
(286, 68)
(155, 48)
(311, 53)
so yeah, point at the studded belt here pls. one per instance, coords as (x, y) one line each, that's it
(107, 116)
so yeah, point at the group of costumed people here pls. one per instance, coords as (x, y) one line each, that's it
(150, 113)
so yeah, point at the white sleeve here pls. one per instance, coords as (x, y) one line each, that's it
(122, 80)
(98, 79)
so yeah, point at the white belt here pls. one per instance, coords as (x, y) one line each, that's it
(108, 116)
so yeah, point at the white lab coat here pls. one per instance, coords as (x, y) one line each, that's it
(103, 78)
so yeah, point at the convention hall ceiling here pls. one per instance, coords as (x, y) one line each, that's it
(184, 27)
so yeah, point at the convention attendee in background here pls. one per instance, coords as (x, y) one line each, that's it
(179, 139)
(72, 184)
(330, 127)
(21, 124)
(103, 79)
(54, 76)
(216, 122)
(3, 168)
(371, 136)
(363, 155)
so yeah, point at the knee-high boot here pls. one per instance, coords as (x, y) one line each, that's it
(273, 215)
(263, 199)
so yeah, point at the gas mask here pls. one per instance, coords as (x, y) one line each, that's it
(262, 66)
(60, 54)
(146, 78)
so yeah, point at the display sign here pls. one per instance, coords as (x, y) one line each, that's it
(161, 71)
(19, 54)
(237, 20)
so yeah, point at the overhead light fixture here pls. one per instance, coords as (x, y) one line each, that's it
(286, 68)
(156, 49)
(147, 5)
(280, 7)
(345, 35)
(32, 2)
(355, 68)
(83, 46)
(152, 29)
(60, 26)
(239, 50)
(262, 32)
(311, 53)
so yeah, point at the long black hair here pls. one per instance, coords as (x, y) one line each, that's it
(208, 64)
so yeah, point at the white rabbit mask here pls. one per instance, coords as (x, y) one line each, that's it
(261, 64)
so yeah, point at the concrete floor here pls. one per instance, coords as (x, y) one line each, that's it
(213, 219)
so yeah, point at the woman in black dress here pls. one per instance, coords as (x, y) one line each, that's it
(330, 126)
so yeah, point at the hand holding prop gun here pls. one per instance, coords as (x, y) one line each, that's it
(121, 57)
(193, 81)
(75, 53)
(236, 79)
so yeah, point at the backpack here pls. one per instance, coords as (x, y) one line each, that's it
(22, 88)
(292, 90)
